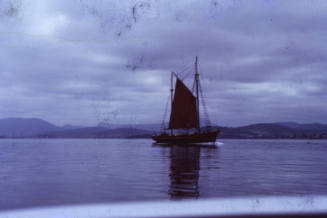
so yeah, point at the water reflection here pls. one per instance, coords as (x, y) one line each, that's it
(184, 171)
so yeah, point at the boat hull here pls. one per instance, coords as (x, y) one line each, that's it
(202, 137)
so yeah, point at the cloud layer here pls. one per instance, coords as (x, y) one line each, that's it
(82, 62)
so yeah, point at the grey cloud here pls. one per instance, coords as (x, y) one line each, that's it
(259, 60)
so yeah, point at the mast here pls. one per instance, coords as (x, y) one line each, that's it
(171, 93)
(197, 91)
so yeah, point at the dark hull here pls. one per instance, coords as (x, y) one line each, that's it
(186, 138)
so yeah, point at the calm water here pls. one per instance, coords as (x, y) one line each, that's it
(55, 172)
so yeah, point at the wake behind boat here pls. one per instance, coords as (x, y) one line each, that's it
(184, 123)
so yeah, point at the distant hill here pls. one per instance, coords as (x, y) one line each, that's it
(34, 127)
(97, 132)
(306, 126)
(276, 130)
(262, 130)
(24, 127)
(68, 126)
(149, 127)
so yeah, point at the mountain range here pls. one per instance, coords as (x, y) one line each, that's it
(38, 128)
(24, 127)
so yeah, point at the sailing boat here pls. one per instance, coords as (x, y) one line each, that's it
(185, 115)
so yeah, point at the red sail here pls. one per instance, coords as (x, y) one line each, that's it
(183, 114)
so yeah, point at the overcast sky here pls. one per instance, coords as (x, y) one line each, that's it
(82, 62)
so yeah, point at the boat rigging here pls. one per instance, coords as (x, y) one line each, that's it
(185, 114)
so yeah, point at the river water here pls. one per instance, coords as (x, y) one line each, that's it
(48, 172)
